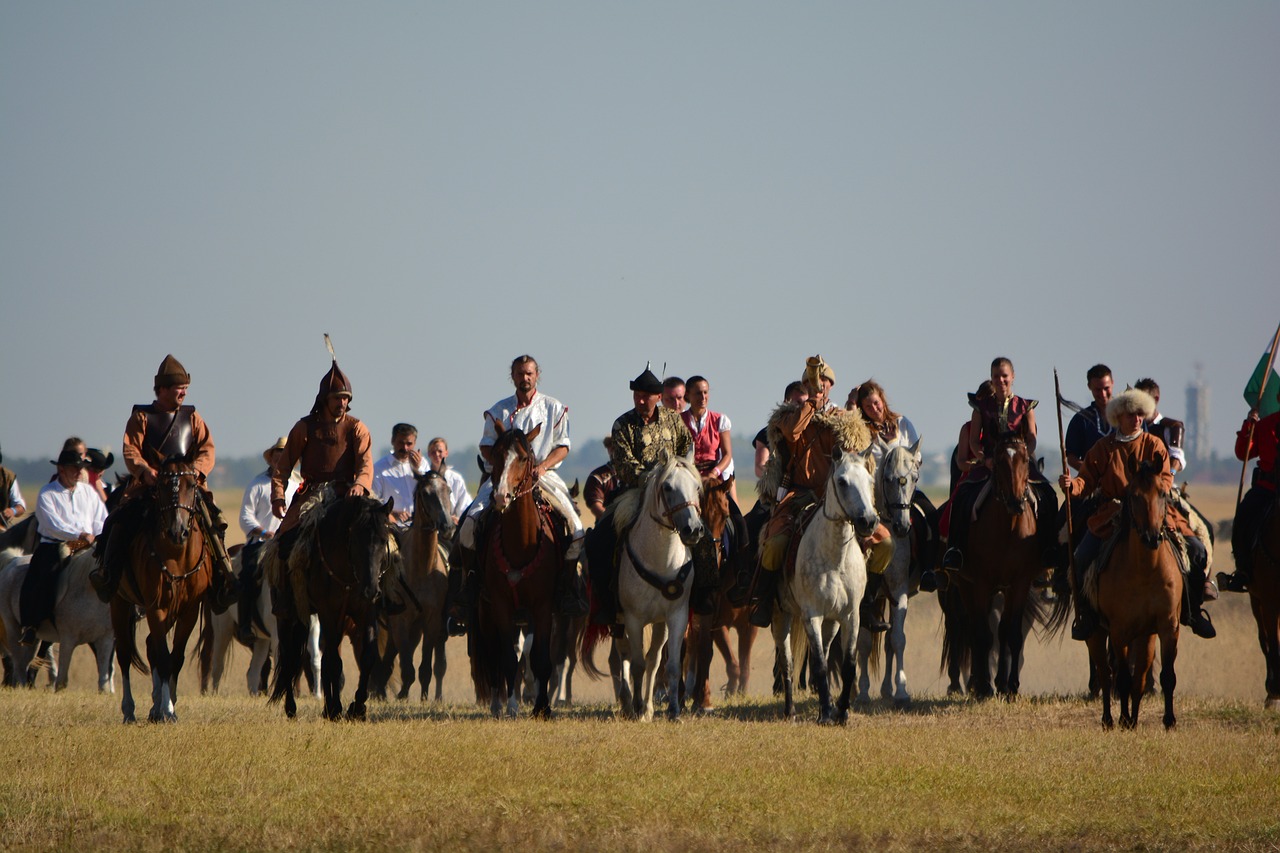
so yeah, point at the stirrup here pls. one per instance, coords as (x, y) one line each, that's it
(928, 581)
(1201, 625)
(953, 559)
(1232, 582)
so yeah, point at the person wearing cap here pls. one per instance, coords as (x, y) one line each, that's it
(11, 503)
(258, 524)
(526, 410)
(640, 437)
(69, 515)
(156, 432)
(1108, 467)
(806, 435)
(396, 474)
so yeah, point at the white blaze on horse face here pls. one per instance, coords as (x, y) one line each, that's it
(502, 490)
(1012, 452)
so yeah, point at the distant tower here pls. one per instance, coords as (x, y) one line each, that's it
(1198, 447)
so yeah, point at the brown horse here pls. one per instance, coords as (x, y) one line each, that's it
(343, 547)
(170, 566)
(713, 628)
(519, 553)
(1139, 597)
(1264, 596)
(1003, 559)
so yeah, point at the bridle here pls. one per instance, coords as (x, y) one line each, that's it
(665, 519)
(173, 487)
(1016, 504)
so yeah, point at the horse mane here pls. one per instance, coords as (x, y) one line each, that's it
(626, 508)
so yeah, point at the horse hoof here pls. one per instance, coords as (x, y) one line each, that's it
(356, 712)
(1108, 724)
(1170, 724)
(673, 716)
(902, 705)
(1272, 703)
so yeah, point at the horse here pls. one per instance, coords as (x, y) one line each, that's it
(896, 480)
(78, 618)
(424, 583)
(519, 555)
(169, 570)
(658, 522)
(1139, 599)
(1004, 558)
(343, 547)
(823, 594)
(1264, 597)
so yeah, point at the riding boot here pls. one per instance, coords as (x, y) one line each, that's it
(571, 599)
(867, 608)
(1193, 588)
(463, 589)
(762, 603)
(1239, 580)
(105, 576)
(248, 593)
(1086, 622)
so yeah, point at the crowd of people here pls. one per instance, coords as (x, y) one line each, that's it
(1105, 442)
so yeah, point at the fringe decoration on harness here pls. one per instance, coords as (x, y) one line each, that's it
(309, 514)
(851, 431)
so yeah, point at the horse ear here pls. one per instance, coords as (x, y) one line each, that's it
(497, 424)
(391, 502)
(914, 449)
(533, 433)
(836, 453)
(575, 489)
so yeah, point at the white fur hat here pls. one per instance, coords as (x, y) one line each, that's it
(1130, 400)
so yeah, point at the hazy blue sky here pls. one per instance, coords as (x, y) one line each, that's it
(908, 188)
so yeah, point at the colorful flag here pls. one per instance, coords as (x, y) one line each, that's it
(1269, 404)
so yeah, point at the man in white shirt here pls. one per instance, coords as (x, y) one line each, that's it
(438, 453)
(258, 524)
(526, 409)
(396, 474)
(68, 513)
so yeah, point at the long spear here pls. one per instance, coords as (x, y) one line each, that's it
(1262, 389)
(1062, 447)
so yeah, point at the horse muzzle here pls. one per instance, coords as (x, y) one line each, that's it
(691, 532)
(865, 525)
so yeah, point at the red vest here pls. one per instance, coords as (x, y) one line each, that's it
(706, 442)
(991, 427)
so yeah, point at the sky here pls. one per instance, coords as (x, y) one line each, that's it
(910, 189)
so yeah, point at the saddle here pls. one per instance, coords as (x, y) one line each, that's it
(799, 524)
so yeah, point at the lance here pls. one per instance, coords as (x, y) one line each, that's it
(1062, 448)
(1248, 442)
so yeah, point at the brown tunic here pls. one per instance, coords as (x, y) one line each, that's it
(329, 451)
(138, 455)
(1109, 466)
(810, 444)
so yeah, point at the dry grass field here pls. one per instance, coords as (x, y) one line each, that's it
(1039, 772)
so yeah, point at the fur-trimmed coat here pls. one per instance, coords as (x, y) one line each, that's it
(801, 439)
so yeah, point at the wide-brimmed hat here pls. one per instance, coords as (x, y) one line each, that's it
(70, 457)
(647, 382)
(279, 445)
(171, 372)
(1133, 401)
(99, 461)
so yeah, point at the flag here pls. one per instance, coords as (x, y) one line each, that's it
(1269, 404)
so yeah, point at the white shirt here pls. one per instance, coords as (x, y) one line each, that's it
(725, 426)
(63, 514)
(396, 478)
(542, 410)
(906, 437)
(458, 488)
(255, 506)
(1174, 452)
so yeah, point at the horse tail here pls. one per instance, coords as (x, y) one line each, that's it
(127, 646)
(1058, 617)
(203, 650)
(955, 631)
(293, 635)
(879, 645)
(590, 638)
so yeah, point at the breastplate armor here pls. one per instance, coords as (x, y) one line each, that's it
(168, 433)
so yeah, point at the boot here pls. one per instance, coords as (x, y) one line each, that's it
(1236, 582)
(1193, 599)
(867, 609)
(223, 589)
(463, 586)
(28, 637)
(105, 576)
(1086, 621)
(928, 581)
(571, 599)
(762, 604)
(741, 589)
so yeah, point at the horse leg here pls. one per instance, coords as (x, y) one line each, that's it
(703, 649)
(720, 640)
(620, 670)
(1099, 663)
(104, 651)
(1011, 641)
(178, 654)
(781, 629)
(862, 649)
(818, 668)
(366, 660)
(1141, 656)
(1124, 677)
(980, 647)
(848, 672)
(1168, 677)
(678, 624)
(896, 641)
(406, 646)
(158, 660)
(652, 658)
(331, 673)
(540, 664)
(746, 639)
(66, 645)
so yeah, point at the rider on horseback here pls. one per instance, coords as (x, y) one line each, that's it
(640, 438)
(526, 409)
(1109, 466)
(155, 433)
(808, 434)
(259, 525)
(1257, 438)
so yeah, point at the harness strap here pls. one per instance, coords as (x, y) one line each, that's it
(671, 588)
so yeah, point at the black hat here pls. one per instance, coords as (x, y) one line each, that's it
(70, 457)
(647, 383)
(99, 461)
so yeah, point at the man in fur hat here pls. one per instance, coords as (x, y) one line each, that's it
(1109, 466)
(259, 525)
(805, 436)
(526, 410)
(156, 432)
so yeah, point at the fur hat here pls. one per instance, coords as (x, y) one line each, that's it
(171, 373)
(1133, 401)
(279, 445)
(647, 382)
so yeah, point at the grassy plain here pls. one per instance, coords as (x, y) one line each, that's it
(1039, 772)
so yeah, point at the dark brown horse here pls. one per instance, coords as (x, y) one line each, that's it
(170, 566)
(335, 571)
(520, 551)
(1003, 559)
(1264, 596)
(1139, 597)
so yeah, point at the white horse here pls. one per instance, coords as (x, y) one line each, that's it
(896, 480)
(654, 578)
(223, 630)
(79, 617)
(829, 580)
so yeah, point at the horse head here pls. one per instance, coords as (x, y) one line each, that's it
(433, 504)
(1012, 472)
(715, 504)
(1147, 503)
(177, 489)
(675, 495)
(899, 476)
(513, 464)
(851, 490)
(367, 526)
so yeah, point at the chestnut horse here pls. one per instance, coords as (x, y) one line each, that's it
(1139, 599)
(1264, 596)
(1003, 559)
(518, 557)
(170, 567)
(343, 548)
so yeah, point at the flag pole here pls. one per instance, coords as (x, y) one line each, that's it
(1262, 389)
